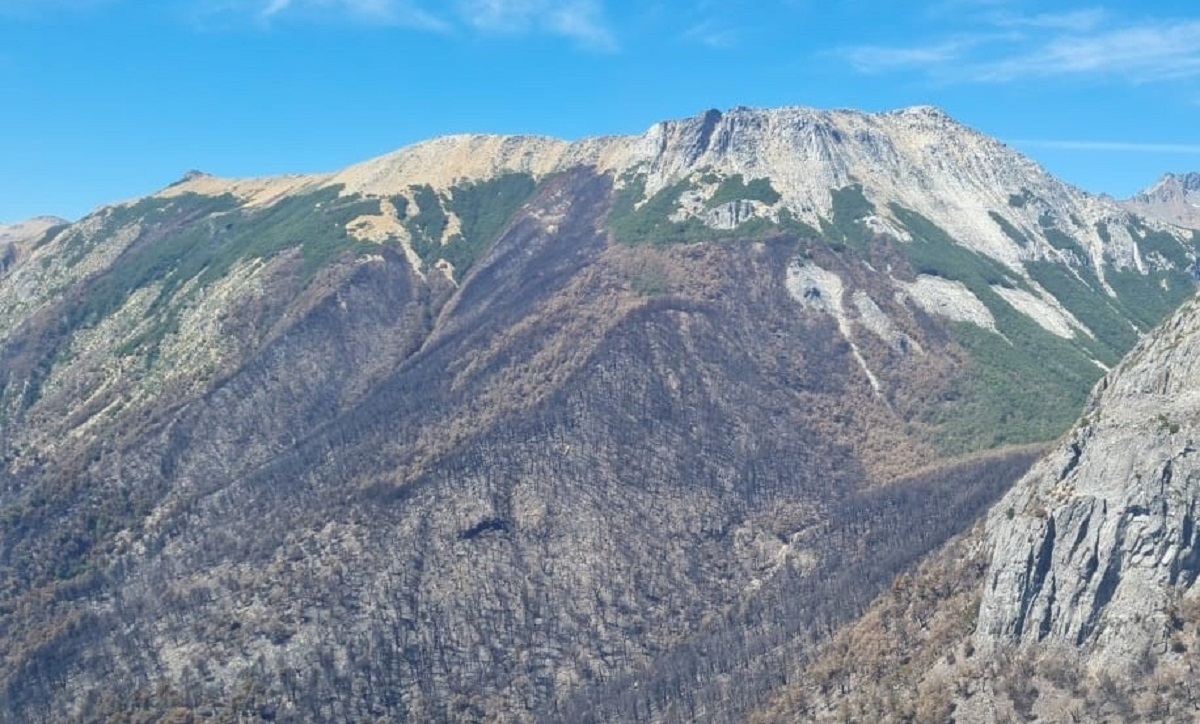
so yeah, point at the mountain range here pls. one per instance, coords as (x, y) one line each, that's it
(513, 428)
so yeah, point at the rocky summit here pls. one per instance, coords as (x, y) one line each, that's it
(1174, 199)
(513, 428)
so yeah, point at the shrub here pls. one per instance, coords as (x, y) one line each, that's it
(733, 188)
(1009, 230)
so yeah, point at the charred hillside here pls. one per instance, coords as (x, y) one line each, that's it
(518, 429)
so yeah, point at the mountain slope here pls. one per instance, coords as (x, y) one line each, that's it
(984, 233)
(505, 426)
(1078, 599)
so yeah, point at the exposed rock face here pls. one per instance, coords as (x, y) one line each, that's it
(520, 428)
(919, 158)
(1093, 548)
(1175, 199)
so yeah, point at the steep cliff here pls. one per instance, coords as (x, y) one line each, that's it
(1097, 550)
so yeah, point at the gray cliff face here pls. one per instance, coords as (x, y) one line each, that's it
(1099, 540)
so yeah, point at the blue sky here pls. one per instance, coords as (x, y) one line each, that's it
(105, 100)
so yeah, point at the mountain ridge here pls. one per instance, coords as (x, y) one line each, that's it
(1175, 199)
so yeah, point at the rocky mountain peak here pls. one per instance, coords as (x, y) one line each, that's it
(1174, 199)
(16, 238)
(1170, 187)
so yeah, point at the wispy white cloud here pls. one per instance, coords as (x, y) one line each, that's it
(382, 12)
(1116, 146)
(580, 20)
(873, 59)
(1007, 47)
(713, 34)
(1150, 52)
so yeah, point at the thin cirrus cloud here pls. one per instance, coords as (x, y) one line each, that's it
(579, 20)
(712, 34)
(1080, 44)
(383, 12)
(582, 21)
(872, 59)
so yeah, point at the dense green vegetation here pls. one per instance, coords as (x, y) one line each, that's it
(483, 208)
(1025, 384)
(1061, 240)
(184, 239)
(427, 226)
(650, 223)
(1148, 298)
(850, 207)
(734, 188)
(934, 252)
(1143, 298)
(150, 212)
(1009, 230)
(1086, 300)
(789, 222)
(1152, 242)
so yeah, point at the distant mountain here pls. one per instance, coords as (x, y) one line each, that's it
(28, 229)
(518, 428)
(14, 238)
(1175, 199)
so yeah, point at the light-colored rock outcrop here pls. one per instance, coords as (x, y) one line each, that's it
(950, 299)
(1098, 542)
(822, 290)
